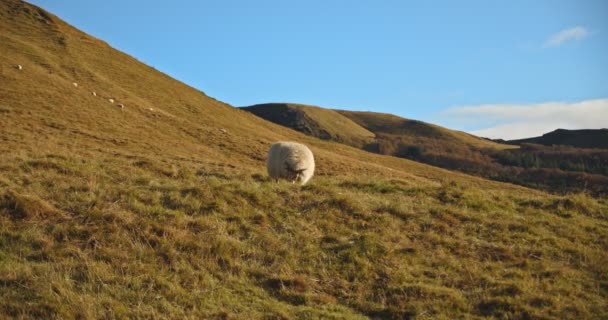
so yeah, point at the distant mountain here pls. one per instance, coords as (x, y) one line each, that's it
(388, 124)
(318, 122)
(587, 138)
(378, 132)
(526, 162)
(386, 134)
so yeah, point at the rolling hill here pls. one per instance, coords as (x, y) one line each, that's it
(359, 129)
(589, 138)
(391, 124)
(559, 170)
(162, 209)
(318, 122)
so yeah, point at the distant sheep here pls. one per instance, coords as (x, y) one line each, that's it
(291, 161)
(75, 84)
(120, 105)
(94, 94)
(20, 67)
(111, 100)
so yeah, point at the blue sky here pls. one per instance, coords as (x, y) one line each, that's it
(445, 62)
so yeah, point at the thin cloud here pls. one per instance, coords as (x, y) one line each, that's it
(557, 39)
(516, 121)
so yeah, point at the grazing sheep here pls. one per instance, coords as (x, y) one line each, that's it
(120, 105)
(75, 84)
(223, 130)
(111, 100)
(94, 94)
(291, 161)
(20, 67)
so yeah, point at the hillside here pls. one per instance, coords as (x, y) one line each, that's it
(556, 169)
(576, 138)
(162, 209)
(559, 169)
(425, 142)
(358, 129)
(391, 124)
(318, 122)
(384, 134)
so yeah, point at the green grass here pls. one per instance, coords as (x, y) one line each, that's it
(136, 214)
(108, 237)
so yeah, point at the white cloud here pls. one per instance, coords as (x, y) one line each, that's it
(557, 39)
(516, 121)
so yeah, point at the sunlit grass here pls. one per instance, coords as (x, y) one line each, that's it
(110, 213)
(127, 240)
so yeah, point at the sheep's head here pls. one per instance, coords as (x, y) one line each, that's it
(294, 175)
(299, 175)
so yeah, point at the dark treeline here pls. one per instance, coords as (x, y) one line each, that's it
(559, 169)
(556, 157)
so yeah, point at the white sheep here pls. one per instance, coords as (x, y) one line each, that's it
(75, 84)
(120, 105)
(94, 94)
(20, 67)
(291, 161)
(111, 100)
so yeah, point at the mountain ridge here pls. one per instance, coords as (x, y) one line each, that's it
(582, 138)
(562, 170)
(322, 123)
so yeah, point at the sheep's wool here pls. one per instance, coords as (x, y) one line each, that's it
(291, 161)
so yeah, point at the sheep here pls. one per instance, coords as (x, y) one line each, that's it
(223, 130)
(291, 161)
(111, 100)
(121, 106)
(75, 84)
(20, 67)
(94, 94)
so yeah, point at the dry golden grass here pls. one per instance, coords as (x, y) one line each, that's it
(110, 213)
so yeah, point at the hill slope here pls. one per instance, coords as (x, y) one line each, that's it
(553, 169)
(318, 122)
(358, 129)
(575, 138)
(391, 124)
(153, 211)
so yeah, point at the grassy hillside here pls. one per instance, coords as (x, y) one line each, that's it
(153, 211)
(575, 138)
(391, 124)
(556, 169)
(358, 129)
(318, 122)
